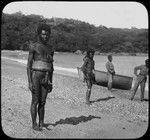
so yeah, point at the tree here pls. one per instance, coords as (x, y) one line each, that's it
(17, 30)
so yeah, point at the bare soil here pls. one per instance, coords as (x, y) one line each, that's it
(67, 115)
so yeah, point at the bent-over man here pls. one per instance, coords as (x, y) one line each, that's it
(140, 79)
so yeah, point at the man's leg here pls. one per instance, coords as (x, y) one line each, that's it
(88, 92)
(33, 110)
(109, 81)
(35, 101)
(41, 107)
(84, 78)
(50, 85)
(133, 91)
(142, 89)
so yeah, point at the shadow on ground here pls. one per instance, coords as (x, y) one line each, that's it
(139, 100)
(72, 120)
(102, 99)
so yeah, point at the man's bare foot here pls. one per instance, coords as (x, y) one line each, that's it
(131, 99)
(41, 125)
(112, 96)
(44, 126)
(36, 128)
(88, 103)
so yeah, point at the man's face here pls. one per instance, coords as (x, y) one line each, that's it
(91, 55)
(110, 59)
(147, 64)
(44, 36)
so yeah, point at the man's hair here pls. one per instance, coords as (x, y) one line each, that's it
(147, 62)
(89, 51)
(109, 56)
(43, 26)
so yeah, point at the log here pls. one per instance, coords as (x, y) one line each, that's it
(119, 81)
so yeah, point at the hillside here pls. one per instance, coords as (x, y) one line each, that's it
(69, 35)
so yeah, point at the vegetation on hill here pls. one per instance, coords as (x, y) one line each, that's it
(69, 35)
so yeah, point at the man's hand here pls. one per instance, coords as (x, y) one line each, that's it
(31, 87)
(49, 82)
(44, 81)
(50, 86)
(114, 73)
(93, 71)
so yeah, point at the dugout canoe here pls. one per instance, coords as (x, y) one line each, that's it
(119, 81)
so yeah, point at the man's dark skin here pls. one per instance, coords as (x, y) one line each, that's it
(88, 70)
(141, 79)
(40, 72)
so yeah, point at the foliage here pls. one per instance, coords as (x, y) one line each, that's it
(69, 35)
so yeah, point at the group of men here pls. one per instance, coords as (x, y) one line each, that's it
(40, 73)
(89, 77)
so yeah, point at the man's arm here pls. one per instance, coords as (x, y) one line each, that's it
(51, 73)
(112, 68)
(94, 68)
(83, 67)
(29, 65)
(109, 68)
(136, 69)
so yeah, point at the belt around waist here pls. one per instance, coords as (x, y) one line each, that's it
(41, 66)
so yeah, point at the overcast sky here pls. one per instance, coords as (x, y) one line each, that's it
(109, 14)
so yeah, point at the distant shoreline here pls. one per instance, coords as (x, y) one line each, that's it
(96, 53)
(59, 70)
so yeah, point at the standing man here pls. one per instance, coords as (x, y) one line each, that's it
(110, 71)
(88, 70)
(140, 79)
(40, 72)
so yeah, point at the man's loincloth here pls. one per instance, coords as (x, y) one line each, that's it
(42, 66)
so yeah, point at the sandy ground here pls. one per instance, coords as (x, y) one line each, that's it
(66, 115)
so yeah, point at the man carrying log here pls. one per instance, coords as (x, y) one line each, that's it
(40, 72)
(88, 70)
(140, 79)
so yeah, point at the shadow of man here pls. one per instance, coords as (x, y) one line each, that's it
(102, 99)
(72, 120)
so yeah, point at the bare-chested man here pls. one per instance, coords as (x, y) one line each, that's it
(88, 68)
(40, 72)
(140, 79)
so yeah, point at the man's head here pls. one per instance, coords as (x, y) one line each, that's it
(44, 32)
(110, 58)
(90, 53)
(147, 62)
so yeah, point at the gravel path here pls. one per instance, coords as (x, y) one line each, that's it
(67, 116)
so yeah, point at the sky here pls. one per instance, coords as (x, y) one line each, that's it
(109, 14)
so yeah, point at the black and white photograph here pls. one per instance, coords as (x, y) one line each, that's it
(74, 70)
